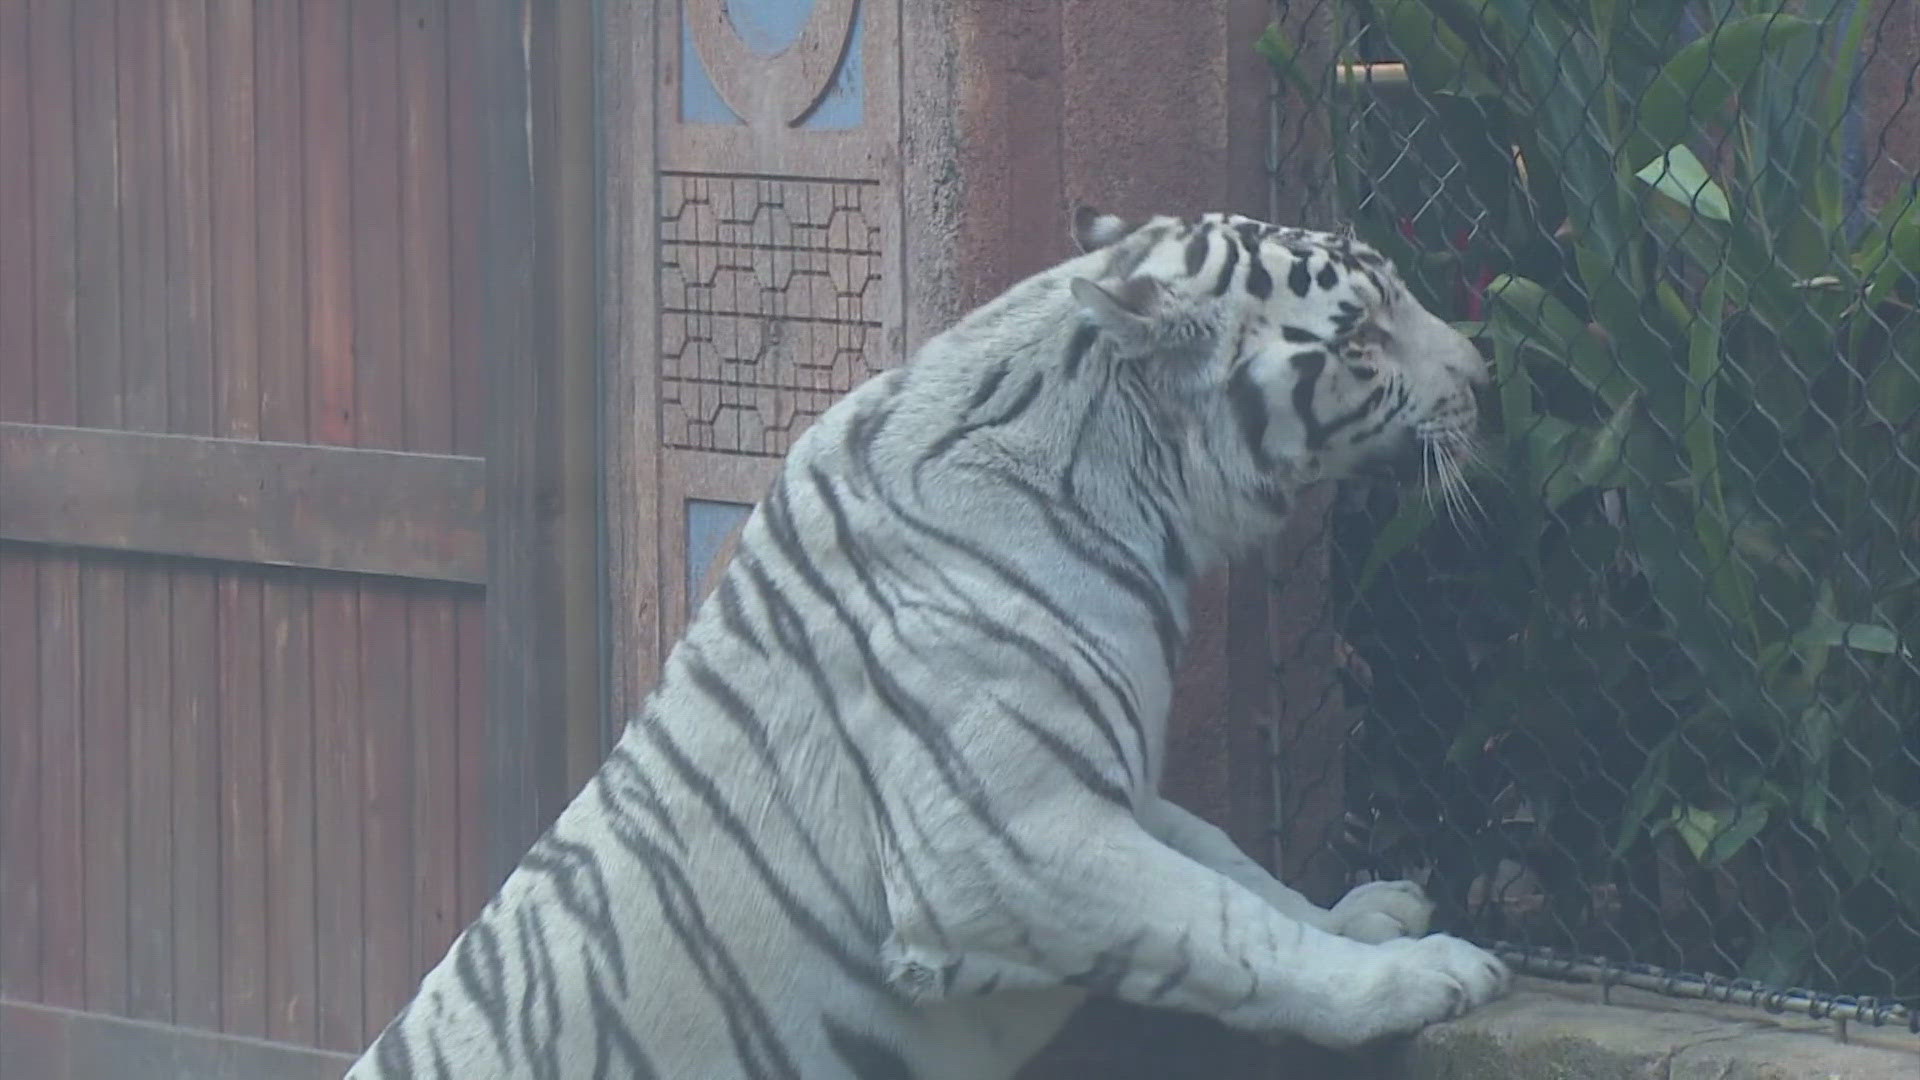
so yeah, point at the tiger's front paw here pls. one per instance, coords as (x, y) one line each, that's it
(1381, 911)
(1421, 981)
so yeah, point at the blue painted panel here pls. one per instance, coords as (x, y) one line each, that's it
(843, 105)
(768, 26)
(709, 524)
(700, 102)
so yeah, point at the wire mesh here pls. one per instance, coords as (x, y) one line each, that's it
(1654, 698)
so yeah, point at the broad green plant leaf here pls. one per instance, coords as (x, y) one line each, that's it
(1695, 84)
(1680, 176)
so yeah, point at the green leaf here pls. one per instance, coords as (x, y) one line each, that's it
(1713, 836)
(1436, 57)
(1649, 788)
(1680, 176)
(1593, 458)
(1696, 83)
(1866, 637)
(1891, 250)
(1408, 522)
(1285, 58)
(1524, 314)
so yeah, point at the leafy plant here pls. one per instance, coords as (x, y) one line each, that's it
(1687, 622)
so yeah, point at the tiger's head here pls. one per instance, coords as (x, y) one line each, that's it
(1305, 348)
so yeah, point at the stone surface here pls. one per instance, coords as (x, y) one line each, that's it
(1554, 1031)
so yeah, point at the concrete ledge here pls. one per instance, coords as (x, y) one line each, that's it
(1558, 1031)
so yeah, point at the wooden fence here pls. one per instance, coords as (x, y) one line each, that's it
(283, 501)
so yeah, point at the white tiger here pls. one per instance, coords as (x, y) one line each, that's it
(891, 811)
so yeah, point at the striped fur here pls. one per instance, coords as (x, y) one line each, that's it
(892, 810)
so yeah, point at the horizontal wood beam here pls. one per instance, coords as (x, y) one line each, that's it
(61, 1044)
(279, 504)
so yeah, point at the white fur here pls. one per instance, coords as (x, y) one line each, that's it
(894, 801)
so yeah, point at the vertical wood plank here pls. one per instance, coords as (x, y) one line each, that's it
(337, 730)
(61, 884)
(20, 794)
(386, 750)
(524, 774)
(194, 676)
(143, 256)
(103, 626)
(476, 879)
(236, 351)
(465, 219)
(19, 576)
(628, 345)
(432, 645)
(467, 303)
(287, 684)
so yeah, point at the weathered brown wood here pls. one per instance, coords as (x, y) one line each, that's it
(20, 909)
(386, 758)
(525, 777)
(236, 351)
(285, 606)
(103, 629)
(476, 878)
(432, 640)
(63, 925)
(58, 1044)
(569, 162)
(629, 415)
(280, 504)
(338, 801)
(141, 79)
(193, 676)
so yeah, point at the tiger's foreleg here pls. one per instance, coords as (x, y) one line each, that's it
(1101, 904)
(1375, 912)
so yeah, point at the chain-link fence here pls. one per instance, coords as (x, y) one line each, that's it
(1652, 697)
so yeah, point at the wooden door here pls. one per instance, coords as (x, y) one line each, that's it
(754, 262)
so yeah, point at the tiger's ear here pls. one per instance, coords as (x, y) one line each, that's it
(1093, 230)
(1126, 310)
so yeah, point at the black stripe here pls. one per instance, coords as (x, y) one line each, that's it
(1078, 345)
(747, 720)
(483, 973)
(1250, 409)
(865, 1056)
(1298, 278)
(1259, 282)
(638, 787)
(581, 887)
(1401, 399)
(914, 714)
(733, 615)
(1134, 580)
(540, 1041)
(790, 633)
(1328, 277)
(862, 969)
(748, 1026)
(614, 1045)
(1299, 335)
(1197, 252)
(1012, 412)
(986, 388)
(1221, 284)
(395, 1057)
